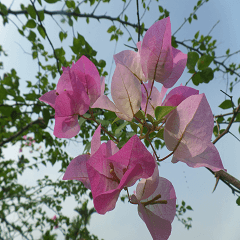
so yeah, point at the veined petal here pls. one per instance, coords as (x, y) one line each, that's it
(49, 98)
(209, 158)
(192, 123)
(126, 91)
(77, 170)
(156, 52)
(66, 127)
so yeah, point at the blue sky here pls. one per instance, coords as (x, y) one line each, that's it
(215, 215)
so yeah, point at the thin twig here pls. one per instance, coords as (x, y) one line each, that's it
(139, 28)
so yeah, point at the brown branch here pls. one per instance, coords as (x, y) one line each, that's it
(38, 121)
(229, 125)
(41, 25)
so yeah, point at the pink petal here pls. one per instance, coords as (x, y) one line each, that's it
(49, 98)
(88, 74)
(131, 60)
(192, 121)
(96, 140)
(165, 211)
(210, 158)
(146, 187)
(178, 94)
(159, 228)
(107, 201)
(66, 127)
(64, 83)
(156, 52)
(179, 64)
(77, 170)
(64, 104)
(104, 102)
(126, 91)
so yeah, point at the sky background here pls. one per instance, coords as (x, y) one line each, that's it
(216, 215)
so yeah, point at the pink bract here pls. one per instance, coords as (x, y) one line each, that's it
(77, 89)
(188, 132)
(157, 217)
(126, 94)
(109, 173)
(160, 61)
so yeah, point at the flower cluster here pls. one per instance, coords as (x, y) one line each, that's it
(185, 119)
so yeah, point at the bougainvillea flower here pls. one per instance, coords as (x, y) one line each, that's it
(188, 132)
(109, 173)
(173, 98)
(77, 89)
(126, 94)
(160, 61)
(158, 209)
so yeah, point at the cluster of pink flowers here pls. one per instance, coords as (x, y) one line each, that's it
(29, 142)
(187, 129)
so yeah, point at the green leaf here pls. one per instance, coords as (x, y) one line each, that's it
(46, 115)
(196, 79)
(126, 18)
(140, 114)
(192, 60)
(207, 75)
(150, 118)
(160, 9)
(238, 201)
(160, 134)
(189, 208)
(41, 31)
(195, 16)
(116, 119)
(226, 104)
(31, 24)
(41, 15)
(52, 1)
(134, 127)
(204, 61)
(196, 35)
(162, 111)
(30, 9)
(120, 128)
(112, 29)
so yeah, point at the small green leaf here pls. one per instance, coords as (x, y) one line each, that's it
(134, 127)
(41, 31)
(30, 9)
(226, 104)
(115, 120)
(150, 118)
(120, 128)
(160, 134)
(52, 1)
(196, 79)
(189, 208)
(126, 18)
(41, 15)
(112, 29)
(196, 35)
(192, 60)
(140, 114)
(162, 111)
(31, 24)
(204, 61)
(238, 201)
(207, 75)
(160, 9)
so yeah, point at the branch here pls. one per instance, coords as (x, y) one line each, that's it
(229, 125)
(139, 29)
(38, 121)
(54, 52)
